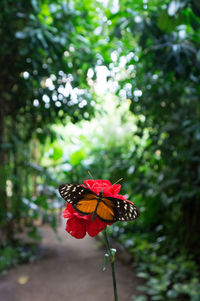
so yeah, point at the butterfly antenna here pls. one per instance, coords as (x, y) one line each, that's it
(90, 175)
(118, 181)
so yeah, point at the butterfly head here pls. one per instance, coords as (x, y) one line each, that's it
(101, 193)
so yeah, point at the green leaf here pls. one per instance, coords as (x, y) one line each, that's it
(143, 275)
(34, 234)
(139, 298)
(172, 294)
(165, 22)
(77, 157)
(57, 152)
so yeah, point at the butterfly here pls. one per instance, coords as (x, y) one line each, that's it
(107, 209)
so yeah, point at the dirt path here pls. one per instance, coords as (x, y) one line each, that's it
(70, 270)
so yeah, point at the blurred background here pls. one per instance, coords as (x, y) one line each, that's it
(111, 87)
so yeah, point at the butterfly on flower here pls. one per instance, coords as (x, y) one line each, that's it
(107, 209)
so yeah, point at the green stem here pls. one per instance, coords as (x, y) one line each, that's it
(112, 261)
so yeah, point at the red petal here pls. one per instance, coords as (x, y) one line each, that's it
(68, 211)
(122, 197)
(76, 227)
(116, 188)
(89, 183)
(103, 183)
(93, 228)
(97, 185)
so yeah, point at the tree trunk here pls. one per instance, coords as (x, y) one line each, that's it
(3, 198)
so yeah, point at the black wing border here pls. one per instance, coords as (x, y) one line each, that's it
(116, 211)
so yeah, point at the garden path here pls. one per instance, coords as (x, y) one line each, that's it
(70, 270)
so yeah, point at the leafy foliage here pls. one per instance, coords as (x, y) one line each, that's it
(41, 83)
(15, 254)
(168, 76)
(165, 173)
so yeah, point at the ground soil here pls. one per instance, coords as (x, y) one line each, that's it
(70, 270)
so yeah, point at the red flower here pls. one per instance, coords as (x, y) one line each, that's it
(78, 225)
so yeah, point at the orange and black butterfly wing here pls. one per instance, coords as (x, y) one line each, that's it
(105, 210)
(81, 198)
(113, 209)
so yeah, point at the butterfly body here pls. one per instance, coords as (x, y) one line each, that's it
(107, 209)
(99, 199)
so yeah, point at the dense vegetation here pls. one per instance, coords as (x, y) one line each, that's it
(49, 59)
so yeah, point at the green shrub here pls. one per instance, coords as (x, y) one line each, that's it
(168, 275)
(17, 253)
